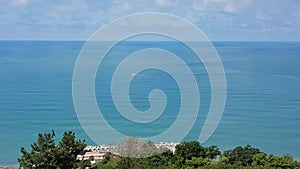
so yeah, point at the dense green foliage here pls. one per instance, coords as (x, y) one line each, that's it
(168, 160)
(188, 155)
(46, 155)
(191, 155)
(241, 155)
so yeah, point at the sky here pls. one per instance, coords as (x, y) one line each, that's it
(220, 20)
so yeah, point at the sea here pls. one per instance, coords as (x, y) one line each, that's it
(262, 105)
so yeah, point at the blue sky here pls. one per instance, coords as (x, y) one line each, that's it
(219, 19)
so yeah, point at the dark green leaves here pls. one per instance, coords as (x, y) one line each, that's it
(45, 154)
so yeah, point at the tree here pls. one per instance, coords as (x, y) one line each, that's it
(224, 160)
(42, 155)
(197, 162)
(107, 165)
(284, 162)
(241, 155)
(68, 149)
(259, 159)
(46, 155)
(157, 161)
(187, 150)
(212, 152)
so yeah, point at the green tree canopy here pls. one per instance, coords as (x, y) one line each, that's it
(187, 150)
(45, 154)
(241, 155)
(212, 152)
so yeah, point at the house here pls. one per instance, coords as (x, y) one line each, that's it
(94, 156)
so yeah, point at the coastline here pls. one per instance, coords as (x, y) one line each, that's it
(101, 150)
(259, 117)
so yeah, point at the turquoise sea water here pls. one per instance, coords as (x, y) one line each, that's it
(262, 107)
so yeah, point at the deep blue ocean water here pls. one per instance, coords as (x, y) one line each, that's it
(262, 107)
